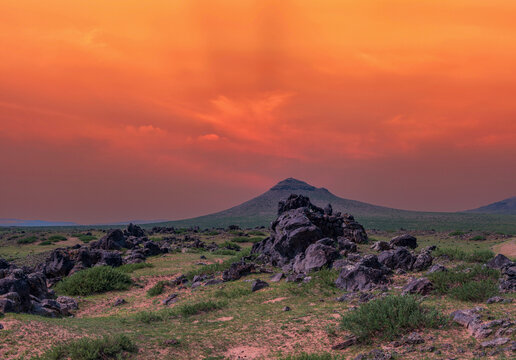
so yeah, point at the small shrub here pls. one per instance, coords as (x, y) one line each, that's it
(257, 233)
(45, 242)
(390, 317)
(57, 238)
(212, 233)
(479, 280)
(86, 238)
(481, 256)
(148, 317)
(214, 268)
(456, 233)
(231, 246)
(478, 238)
(204, 306)
(129, 268)
(474, 290)
(94, 280)
(157, 289)
(232, 293)
(27, 240)
(108, 347)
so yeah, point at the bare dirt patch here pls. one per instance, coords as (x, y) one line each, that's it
(507, 248)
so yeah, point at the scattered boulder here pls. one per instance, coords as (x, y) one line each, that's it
(287, 308)
(365, 275)
(498, 299)
(277, 277)
(170, 299)
(413, 338)
(67, 303)
(381, 246)
(316, 257)
(421, 286)
(498, 262)
(423, 261)
(494, 342)
(134, 230)
(258, 285)
(114, 240)
(400, 258)
(405, 240)
(350, 341)
(508, 278)
(237, 270)
(436, 268)
(347, 245)
(119, 302)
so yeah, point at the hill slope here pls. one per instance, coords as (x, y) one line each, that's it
(507, 206)
(261, 210)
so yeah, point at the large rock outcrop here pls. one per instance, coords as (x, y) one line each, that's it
(305, 237)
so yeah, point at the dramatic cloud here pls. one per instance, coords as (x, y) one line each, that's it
(112, 110)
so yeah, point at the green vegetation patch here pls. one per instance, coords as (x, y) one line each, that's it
(157, 289)
(481, 256)
(248, 239)
(217, 267)
(466, 284)
(389, 317)
(85, 238)
(129, 268)
(108, 347)
(27, 240)
(95, 280)
(184, 310)
(57, 238)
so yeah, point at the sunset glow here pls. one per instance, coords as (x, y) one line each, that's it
(167, 109)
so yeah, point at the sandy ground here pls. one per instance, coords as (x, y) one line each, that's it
(507, 248)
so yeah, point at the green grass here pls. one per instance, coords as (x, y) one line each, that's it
(27, 240)
(95, 280)
(129, 268)
(224, 252)
(247, 239)
(57, 238)
(107, 347)
(217, 267)
(233, 293)
(475, 291)
(86, 238)
(157, 289)
(478, 238)
(456, 233)
(480, 255)
(45, 242)
(477, 284)
(388, 318)
(185, 310)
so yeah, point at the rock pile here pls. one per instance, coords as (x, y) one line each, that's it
(305, 237)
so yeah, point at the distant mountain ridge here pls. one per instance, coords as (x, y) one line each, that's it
(261, 210)
(34, 223)
(507, 207)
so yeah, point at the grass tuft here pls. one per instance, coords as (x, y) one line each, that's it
(480, 256)
(95, 280)
(108, 347)
(129, 268)
(157, 289)
(389, 317)
(27, 240)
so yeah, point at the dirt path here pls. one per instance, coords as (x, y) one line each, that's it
(507, 248)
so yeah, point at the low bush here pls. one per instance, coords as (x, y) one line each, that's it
(475, 284)
(456, 233)
(129, 268)
(257, 233)
(45, 242)
(478, 238)
(200, 307)
(481, 256)
(108, 347)
(389, 317)
(230, 246)
(94, 280)
(86, 238)
(212, 233)
(27, 240)
(157, 289)
(224, 252)
(57, 238)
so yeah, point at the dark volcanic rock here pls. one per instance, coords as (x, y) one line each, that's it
(381, 246)
(114, 240)
(508, 279)
(436, 268)
(316, 257)
(134, 230)
(498, 262)
(421, 286)
(348, 245)
(299, 226)
(237, 270)
(365, 275)
(405, 240)
(258, 285)
(277, 277)
(423, 261)
(399, 258)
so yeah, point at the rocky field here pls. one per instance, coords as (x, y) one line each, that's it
(316, 285)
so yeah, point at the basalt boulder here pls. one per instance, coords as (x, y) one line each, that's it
(114, 240)
(399, 258)
(134, 230)
(404, 240)
(365, 275)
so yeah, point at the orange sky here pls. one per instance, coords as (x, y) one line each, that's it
(164, 109)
